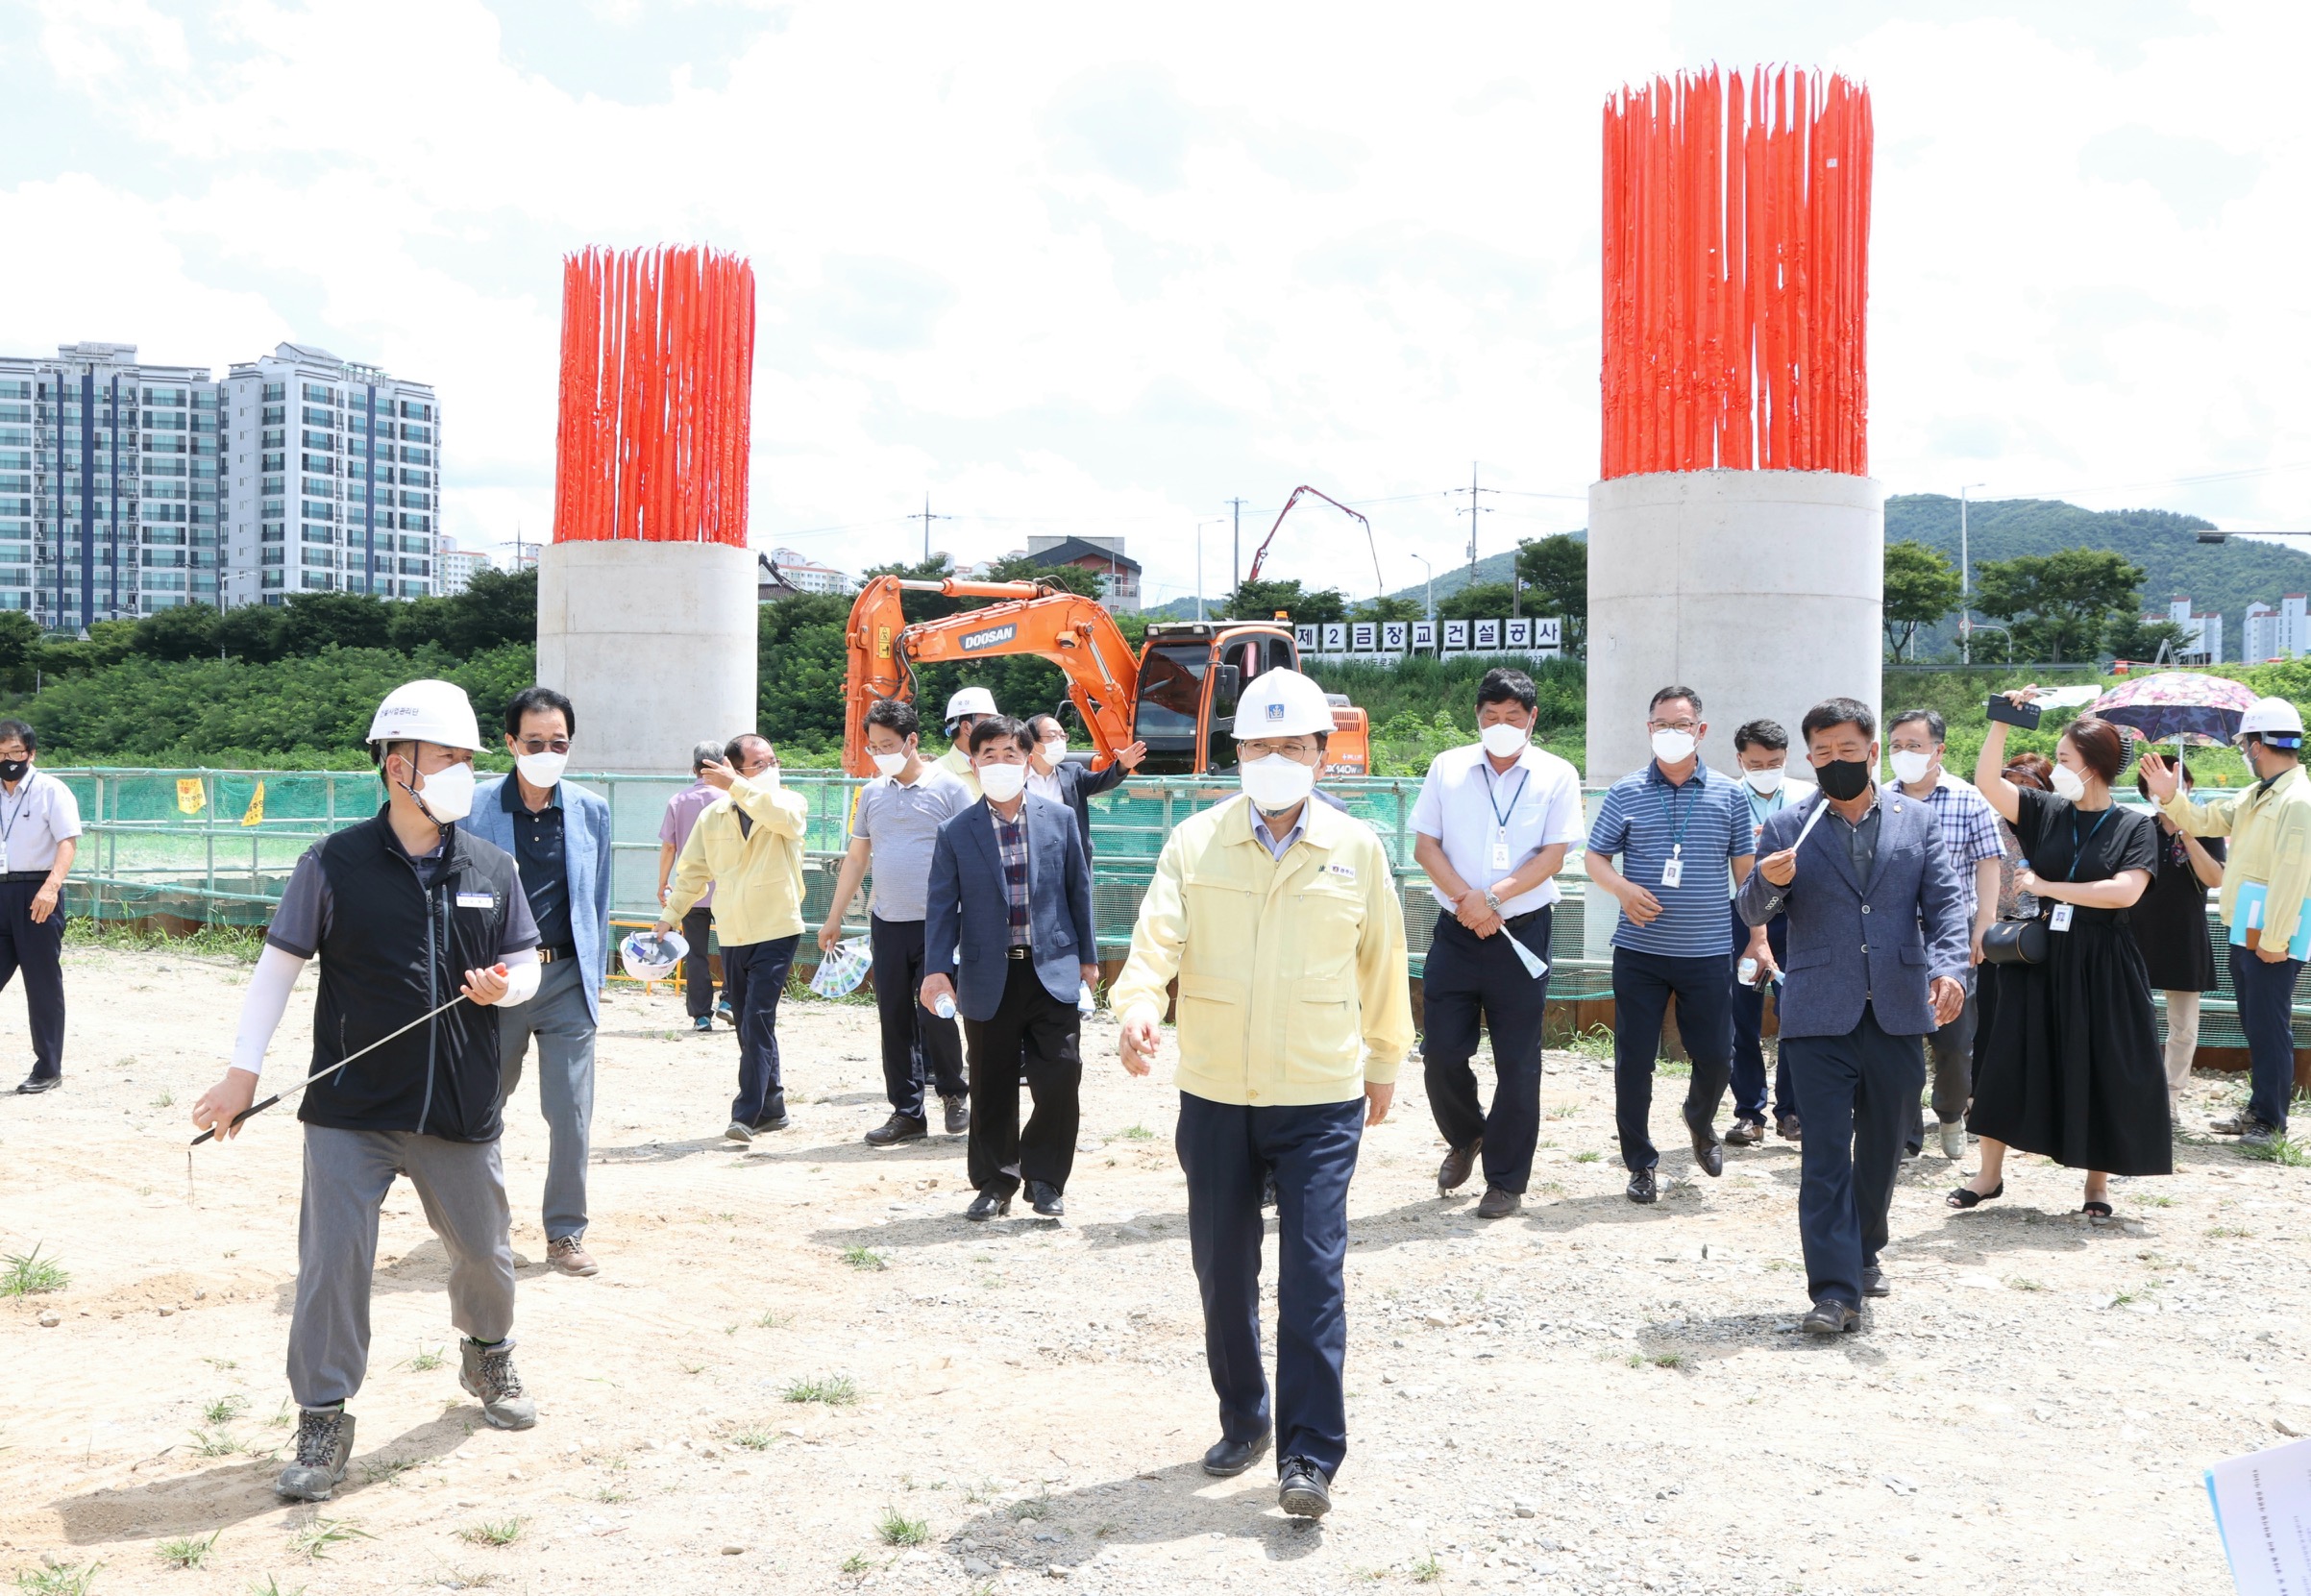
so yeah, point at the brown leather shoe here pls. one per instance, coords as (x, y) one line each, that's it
(1457, 1165)
(569, 1255)
(1790, 1128)
(1499, 1204)
(1745, 1133)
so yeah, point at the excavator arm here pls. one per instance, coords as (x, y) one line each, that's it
(1073, 633)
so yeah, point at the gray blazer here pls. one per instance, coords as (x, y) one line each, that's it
(1853, 943)
(967, 908)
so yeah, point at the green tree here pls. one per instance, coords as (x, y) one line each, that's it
(2132, 637)
(1478, 601)
(251, 632)
(316, 621)
(2059, 604)
(1921, 587)
(19, 647)
(1555, 572)
(1259, 600)
(800, 659)
(1388, 609)
(181, 631)
(1025, 568)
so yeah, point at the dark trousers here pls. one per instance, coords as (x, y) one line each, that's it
(1226, 1151)
(698, 974)
(1950, 1052)
(916, 1043)
(2266, 994)
(1748, 1015)
(39, 952)
(1858, 1093)
(755, 979)
(1642, 985)
(1466, 976)
(1033, 1028)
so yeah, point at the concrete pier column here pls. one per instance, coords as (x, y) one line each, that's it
(1763, 591)
(656, 645)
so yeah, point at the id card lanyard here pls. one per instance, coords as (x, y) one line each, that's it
(1673, 873)
(1500, 820)
(2060, 919)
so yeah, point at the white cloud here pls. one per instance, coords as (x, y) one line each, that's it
(1067, 270)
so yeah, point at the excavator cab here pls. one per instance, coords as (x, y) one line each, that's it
(1192, 672)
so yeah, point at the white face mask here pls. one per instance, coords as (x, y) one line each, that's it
(542, 770)
(2068, 784)
(1002, 782)
(447, 794)
(1671, 747)
(1909, 766)
(1764, 783)
(889, 764)
(1055, 751)
(1503, 741)
(1276, 782)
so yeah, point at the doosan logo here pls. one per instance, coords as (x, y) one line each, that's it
(987, 639)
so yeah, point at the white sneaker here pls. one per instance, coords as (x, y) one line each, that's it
(1953, 1141)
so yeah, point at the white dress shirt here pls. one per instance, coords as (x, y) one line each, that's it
(40, 814)
(1475, 812)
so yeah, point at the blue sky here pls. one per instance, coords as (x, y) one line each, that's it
(1094, 269)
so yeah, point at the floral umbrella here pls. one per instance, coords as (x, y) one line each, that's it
(2197, 708)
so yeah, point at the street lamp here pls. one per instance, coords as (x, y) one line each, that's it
(1966, 583)
(1431, 584)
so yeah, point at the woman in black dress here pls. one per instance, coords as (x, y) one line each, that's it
(2070, 1065)
(2170, 928)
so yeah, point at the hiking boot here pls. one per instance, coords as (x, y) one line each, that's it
(324, 1447)
(958, 1113)
(487, 1372)
(2236, 1125)
(569, 1255)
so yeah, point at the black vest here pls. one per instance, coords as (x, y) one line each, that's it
(393, 951)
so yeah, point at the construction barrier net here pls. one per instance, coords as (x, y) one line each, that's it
(216, 848)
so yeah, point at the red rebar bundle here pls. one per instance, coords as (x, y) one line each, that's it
(1737, 273)
(656, 390)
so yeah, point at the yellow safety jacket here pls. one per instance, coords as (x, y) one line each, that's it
(958, 764)
(2269, 832)
(1292, 981)
(758, 875)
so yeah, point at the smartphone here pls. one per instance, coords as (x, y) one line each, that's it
(2003, 709)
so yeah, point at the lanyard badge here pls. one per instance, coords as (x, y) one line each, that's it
(1673, 873)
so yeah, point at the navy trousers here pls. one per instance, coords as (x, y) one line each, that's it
(917, 1045)
(1858, 1093)
(1226, 1151)
(1749, 1031)
(2266, 994)
(39, 952)
(1642, 985)
(755, 979)
(1467, 977)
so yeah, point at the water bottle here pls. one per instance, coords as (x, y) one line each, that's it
(1085, 1003)
(1746, 972)
(944, 1008)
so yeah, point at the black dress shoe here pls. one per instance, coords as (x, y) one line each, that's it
(1228, 1458)
(1745, 1133)
(1302, 1491)
(778, 1121)
(1641, 1187)
(899, 1127)
(1831, 1318)
(991, 1204)
(1873, 1282)
(1499, 1204)
(1045, 1198)
(1458, 1164)
(958, 1113)
(38, 1083)
(1708, 1153)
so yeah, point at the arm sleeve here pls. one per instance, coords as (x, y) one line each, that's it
(63, 813)
(1757, 898)
(523, 973)
(1982, 841)
(771, 805)
(1611, 834)
(305, 908)
(861, 806)
(1384, 988)
(1564, 823)
(690, 876)
(2290, 872)
(1949, 934)
(263, 1004)
(1428, 809)
(1095, 783)
(1079, 895)
(1157, 937)
(2200, 820)
(942, 909)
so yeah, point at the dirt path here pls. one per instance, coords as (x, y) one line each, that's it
(1592, 1396)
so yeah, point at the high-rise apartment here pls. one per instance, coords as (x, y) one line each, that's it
(334, 474)
(455, 568)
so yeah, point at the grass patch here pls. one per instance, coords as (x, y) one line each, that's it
(2283, 1150)
(1668, 1359)
(896, 1529)
(225, 1409)
(166, 1099)
(281, 1417)
(221, 1364)
(1589, 1157)
(186, 1551)
(1595, 1043)
(465, 1579)
(2155, 1201)
(2228, 1233)
(836, 1390)
(317, 1538)
(383, 1471)
(22, 1274)
(773, 1319)
(242, 943)
(216, 1443)
(2021, 1284)
(58, 1578)
(1030, 1510)
(1136, 1133)
(500, 1531)
(858, 1562)
(755, 1438)
(1565, 1109)
(426, 1359)
(270, 1586)
(1428, 1570)
(865, 1257)
(1676, 1070)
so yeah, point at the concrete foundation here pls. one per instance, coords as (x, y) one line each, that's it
(654, 643)
(1761, 590)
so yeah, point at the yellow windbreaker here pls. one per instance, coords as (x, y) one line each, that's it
(2269, 832)
(758, 877)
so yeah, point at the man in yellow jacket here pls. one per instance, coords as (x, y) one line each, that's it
(2264, 884)
(1279, 916)
(749, 845)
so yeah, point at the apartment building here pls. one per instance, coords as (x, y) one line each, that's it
(455, 568)
(2280, 633)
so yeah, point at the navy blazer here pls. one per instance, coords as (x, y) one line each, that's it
(1852, 943)
(967, 910)
(1078, 785)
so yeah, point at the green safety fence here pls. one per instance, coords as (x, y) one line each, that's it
(216, 847)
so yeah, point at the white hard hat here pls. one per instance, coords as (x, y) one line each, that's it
(972, 701)
(651, 955)
(427, 711)
(2272, 717)
(1282, 703)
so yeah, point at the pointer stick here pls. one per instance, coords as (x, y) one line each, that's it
(1811, 820)
(324, 1074)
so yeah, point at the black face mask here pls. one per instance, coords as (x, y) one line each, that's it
(12, 770)
(1844, 779)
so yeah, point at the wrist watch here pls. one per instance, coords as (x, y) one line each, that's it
(1492, 900)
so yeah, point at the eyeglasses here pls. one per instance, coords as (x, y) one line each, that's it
(1260, 748)
(1674, 726)
(539, 744)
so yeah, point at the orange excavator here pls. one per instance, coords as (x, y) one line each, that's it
(1177, 695)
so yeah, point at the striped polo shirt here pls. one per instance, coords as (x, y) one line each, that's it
(1644, 821)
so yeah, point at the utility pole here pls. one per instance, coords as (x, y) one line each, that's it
(1235, 557)
(926, 518)
(1473, 511)
(1431, 584)
(1966, 583)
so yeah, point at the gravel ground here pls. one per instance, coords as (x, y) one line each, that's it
(1589, 1397)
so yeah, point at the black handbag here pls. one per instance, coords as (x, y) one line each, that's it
(2015, 942)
